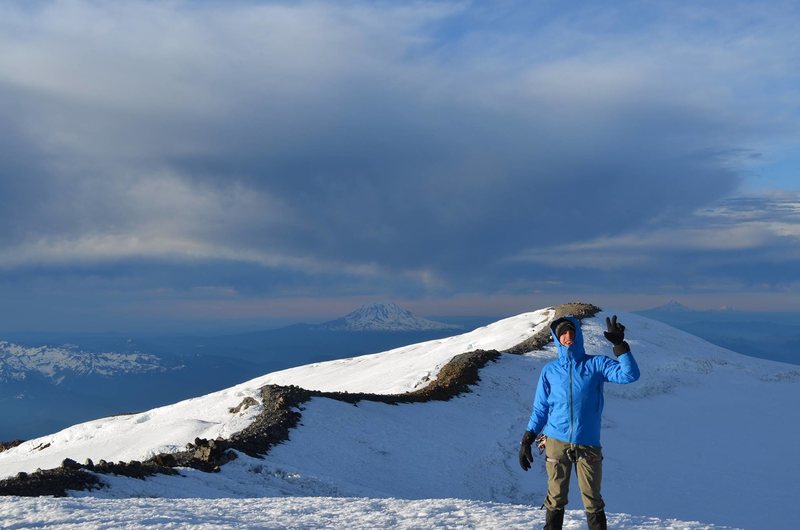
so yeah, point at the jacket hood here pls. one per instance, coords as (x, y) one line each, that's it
(576, 351)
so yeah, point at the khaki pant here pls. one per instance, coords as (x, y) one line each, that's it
(588, 466)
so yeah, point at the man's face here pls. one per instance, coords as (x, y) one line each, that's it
(567, 338)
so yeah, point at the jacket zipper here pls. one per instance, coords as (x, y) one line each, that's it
(571, 428)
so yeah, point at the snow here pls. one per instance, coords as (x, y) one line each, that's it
(705, 435)
(298, 512)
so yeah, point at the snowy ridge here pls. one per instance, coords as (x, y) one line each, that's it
(55, 362)
(409, 367)
(675, 444)
(383, 317)
(168, 429)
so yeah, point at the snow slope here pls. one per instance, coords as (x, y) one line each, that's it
(703, 436)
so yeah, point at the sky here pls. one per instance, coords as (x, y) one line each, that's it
(187, 165)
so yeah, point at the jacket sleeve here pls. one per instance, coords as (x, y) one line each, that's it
(540, 408)
(621, 370)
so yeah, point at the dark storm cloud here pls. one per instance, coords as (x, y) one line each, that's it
(363, 145)
(23, 181)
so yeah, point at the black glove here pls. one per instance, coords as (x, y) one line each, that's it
(616, 335)
(525, 455)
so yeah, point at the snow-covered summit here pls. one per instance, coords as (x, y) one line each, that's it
(56, 362)
(673, 306)
(383, 317)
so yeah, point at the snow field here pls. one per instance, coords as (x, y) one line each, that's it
(297, 513)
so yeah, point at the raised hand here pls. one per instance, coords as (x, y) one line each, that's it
(616, 336)
(616, 331)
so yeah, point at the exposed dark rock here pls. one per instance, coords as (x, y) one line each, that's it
(4, 446)
(69, 463)
(244, 405)
(165, 459)
(54, 482)
(454, 378)
(539, 340)
(206, 455)
(271, 427)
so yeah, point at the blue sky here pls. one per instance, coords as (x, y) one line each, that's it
(197, 165)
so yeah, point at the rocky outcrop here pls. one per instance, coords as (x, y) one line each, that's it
(53, 482)
(4, 446)
(538, 341)
(454, 378)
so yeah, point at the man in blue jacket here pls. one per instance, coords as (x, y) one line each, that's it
(567, 411)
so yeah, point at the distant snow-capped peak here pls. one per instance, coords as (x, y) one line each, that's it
(673, 306)
(17, 362)
(383, 317)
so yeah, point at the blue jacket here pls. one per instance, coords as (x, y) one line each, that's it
(569, 397)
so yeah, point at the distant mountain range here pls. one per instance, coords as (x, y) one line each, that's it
(383, 317)
(18, 362)
(46, 388)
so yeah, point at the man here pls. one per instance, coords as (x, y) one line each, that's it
(567, 411)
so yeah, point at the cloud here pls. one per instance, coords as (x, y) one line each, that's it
(422, 148)
(735, 244)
